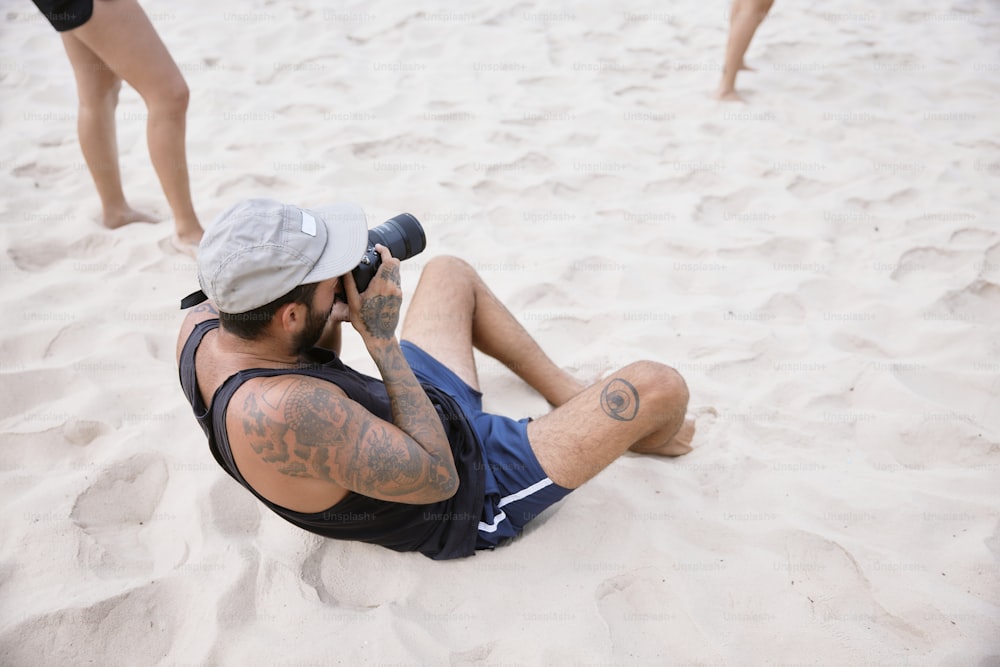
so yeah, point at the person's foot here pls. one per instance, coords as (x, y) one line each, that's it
(113, 219)
(728, 95)
(184, 247)
(679, 445)
(187, 228)
(746, 68)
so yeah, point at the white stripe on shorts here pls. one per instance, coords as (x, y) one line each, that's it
(524, 493)
(514, 497)
(492, 527)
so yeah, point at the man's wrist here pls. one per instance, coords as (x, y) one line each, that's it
(381, 345)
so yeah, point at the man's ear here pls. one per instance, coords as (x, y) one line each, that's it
(292, 316)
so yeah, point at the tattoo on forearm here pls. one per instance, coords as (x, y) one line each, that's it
(377, 463)
(620, 400)
(412, 411)
(380, 314)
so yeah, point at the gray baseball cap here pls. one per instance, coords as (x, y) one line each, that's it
(261, 249)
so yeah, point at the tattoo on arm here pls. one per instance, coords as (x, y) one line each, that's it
(380, 314)
(378, 463)
(307, 430)
(281, 426)
(620, 400)
(414, 414)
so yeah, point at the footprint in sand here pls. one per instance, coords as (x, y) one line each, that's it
(101, 633)
(477, 655)
(989, 266)
(393, 147)
(972, 236)
(234, 511)
(807, 188)
(358, 575)
(37, 171)
(923, 259)
(712, 209)
(81, 432)
(638, 608)
(247, 183)
(38, 255)
(977, 302)
(113, 510)
(238, 605)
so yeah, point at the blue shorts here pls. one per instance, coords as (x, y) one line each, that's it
(517, 489)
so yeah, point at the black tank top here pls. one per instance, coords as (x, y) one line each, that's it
(440, 530)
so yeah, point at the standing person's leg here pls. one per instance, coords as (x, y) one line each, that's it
(745, 17)
(97, 89)
(453, 311)
(120, 35)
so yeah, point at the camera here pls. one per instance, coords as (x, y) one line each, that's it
(402, 235)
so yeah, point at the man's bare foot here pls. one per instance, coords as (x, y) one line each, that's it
(113, 219)
(679, 445)
(747, 68)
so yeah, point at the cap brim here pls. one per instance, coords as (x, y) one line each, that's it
(346, 240)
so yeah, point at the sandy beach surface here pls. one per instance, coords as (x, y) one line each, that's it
(822, 264)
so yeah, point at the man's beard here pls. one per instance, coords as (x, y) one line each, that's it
(315, 324)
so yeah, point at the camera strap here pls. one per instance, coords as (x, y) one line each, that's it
(193, 299)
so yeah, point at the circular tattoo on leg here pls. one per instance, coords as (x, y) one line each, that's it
(620, 400)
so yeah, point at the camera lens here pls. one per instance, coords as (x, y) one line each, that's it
(402, 235)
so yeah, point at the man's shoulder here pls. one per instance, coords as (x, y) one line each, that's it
(194, 317)
(288, 395)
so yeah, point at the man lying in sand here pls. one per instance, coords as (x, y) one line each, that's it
(410, 462)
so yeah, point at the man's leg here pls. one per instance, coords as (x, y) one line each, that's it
(97, 89)
(120, 34)
(641, 407)
(453, 311)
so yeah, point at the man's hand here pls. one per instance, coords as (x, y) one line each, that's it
(375, 314)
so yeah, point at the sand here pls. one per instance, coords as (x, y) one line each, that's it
(822, 264)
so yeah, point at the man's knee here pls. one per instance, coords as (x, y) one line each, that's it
(448, 264)
(657, 385)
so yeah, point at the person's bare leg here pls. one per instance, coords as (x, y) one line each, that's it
(640, 407)
(662, 443)
(745, 17)
(97, 90)
(120, 34)
(453, 311)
